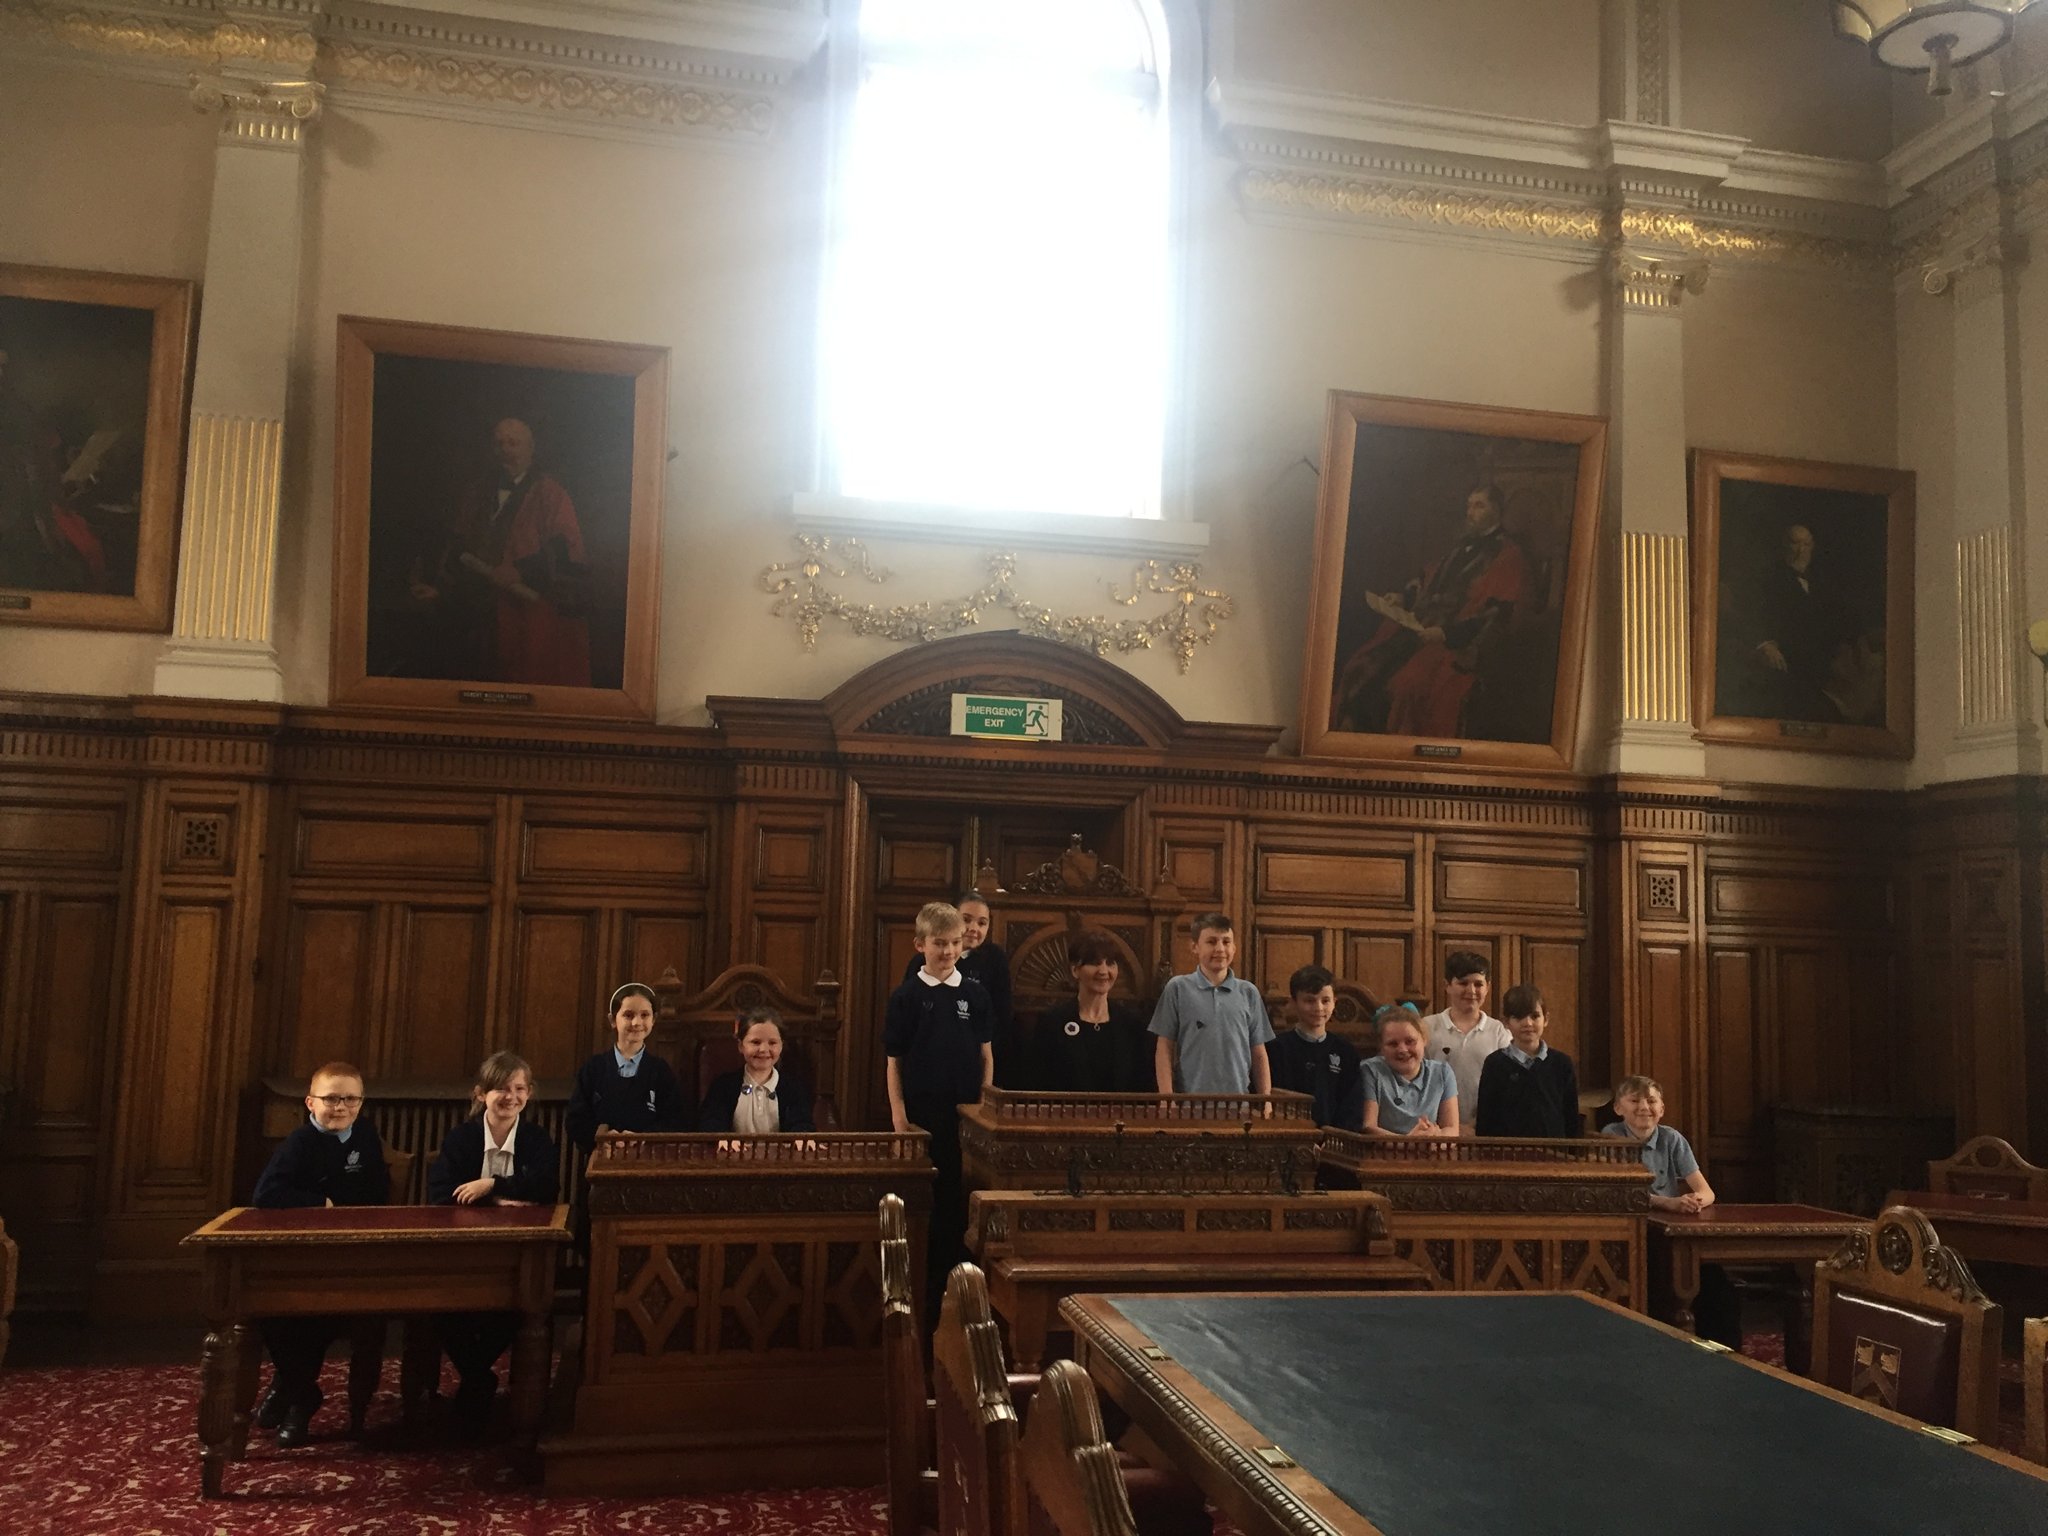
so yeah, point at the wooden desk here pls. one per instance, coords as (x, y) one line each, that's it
(1984, 1229)
(355, 1261)
(1496, 1213)
(1795, 1236)
(1391, 1439)
(733, 1337)
(1037, 1249)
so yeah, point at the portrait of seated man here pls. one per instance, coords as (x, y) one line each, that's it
(1793, 644)
(511, 582)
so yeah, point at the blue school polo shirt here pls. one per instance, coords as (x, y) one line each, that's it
(1667, 1154)
(1402, 1101)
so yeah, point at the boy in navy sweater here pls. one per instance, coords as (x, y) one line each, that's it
(625, 1086)
(936, 1033)
(1313, 1061)
(982, 959)
(1527, 1088)
(335, 1158)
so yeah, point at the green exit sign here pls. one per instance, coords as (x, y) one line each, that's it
(976, 714)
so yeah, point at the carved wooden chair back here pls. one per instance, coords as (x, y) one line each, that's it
(1899, 1321)
(913, 1484)
(1990, 1169)
(1073, 1478)
(2034, 1367)
(980, 1489)
(398, 1164)
(697, 1034)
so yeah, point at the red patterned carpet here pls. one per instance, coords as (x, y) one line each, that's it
(92, 1449)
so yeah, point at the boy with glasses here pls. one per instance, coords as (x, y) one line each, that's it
(335, 1158)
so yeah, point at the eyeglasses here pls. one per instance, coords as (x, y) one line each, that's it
(337, 1100)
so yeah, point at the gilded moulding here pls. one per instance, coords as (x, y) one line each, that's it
(801, 589)
(1746, 242)
(201, 41)
(1420, 205)
(582, 93)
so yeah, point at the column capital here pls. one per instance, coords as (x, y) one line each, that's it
(1645, 280)
(269, 114)
(1987, 253)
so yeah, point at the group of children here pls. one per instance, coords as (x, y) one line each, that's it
(499, 1157)
(1210, 1034)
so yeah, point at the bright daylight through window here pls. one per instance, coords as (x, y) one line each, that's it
(995, 321)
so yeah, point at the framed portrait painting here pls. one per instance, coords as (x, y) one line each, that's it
(94, 368)
(1453, 568)
(1803, 604)
(497, 520)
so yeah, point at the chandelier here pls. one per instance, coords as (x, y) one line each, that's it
(1930, 35)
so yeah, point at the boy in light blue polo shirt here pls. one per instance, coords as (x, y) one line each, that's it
(1211, 1026)
(1676, 1183)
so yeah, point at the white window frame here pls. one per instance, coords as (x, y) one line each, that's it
(1176, 32)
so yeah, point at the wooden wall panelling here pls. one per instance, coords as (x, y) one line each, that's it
(1653, 936)
(553, 1002)
(63, 855)
(1347, 902)
(184, 1041)
(436, 1018)
(1803, 992)
(1204, 858)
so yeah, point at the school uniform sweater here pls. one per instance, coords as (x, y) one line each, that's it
(1541, 1099)
(311, 1167)
(652, 1099)
(936, 1034)
(794, 1106)
(536, 1172)
(1327, 1070)
(989, 965)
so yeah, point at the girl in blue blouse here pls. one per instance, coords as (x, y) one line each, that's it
(1408, 1092)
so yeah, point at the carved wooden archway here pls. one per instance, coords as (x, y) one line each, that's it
(910, 693)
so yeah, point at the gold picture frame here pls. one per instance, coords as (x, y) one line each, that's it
(95, 368)
(1453, 577)
(497, 528)
(1802, 577)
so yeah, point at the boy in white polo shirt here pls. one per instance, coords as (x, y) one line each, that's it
(1465, 1034)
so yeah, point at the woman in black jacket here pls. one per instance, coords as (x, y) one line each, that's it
(495, 1157)
(760, 1099)
(1087, 1043)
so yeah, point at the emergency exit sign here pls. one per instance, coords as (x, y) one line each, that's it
(978, 714)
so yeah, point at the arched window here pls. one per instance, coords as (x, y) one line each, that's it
(998, 294)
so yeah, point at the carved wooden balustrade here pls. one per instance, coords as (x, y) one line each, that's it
(733, 1333)
(1505, 1214)
(1100, 1142)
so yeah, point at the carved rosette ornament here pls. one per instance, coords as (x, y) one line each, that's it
(266, 114)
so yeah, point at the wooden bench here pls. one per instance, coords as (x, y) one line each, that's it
(1037, 1249)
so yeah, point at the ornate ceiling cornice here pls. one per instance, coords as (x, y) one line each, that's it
(653, 68)
(1556, 189)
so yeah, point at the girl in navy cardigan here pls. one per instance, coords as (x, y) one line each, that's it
(495, 1157)
(625, 1086)
(759, 1099)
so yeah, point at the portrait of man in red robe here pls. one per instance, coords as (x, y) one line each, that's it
(1414, 675)
(512, 582)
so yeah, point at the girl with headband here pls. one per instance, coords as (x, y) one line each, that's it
(625, 1086)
